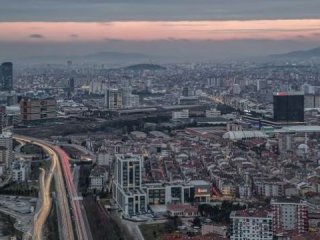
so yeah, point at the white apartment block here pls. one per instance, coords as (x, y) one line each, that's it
(113, 99)
(251, 225)
(98, 178)
(127, 185)
(212, 113)
(180, 114)
(289, 214)
(20, 171)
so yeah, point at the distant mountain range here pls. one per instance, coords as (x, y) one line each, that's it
(99, 57)
(115, 55)
(311, 53)
(134, 60)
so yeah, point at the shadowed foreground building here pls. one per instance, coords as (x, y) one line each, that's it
(288, 107)
(6, 151)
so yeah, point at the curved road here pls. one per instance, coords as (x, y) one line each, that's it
(45, 185)
(42, 214)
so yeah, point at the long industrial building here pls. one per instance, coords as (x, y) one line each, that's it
(38, 109)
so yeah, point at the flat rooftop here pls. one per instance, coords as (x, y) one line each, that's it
(291, 199)
(203, 130)
(298, 128)
(251, 213)
(288, 93)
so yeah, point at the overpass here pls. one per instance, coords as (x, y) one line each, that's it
(80, 149)
(60, 172)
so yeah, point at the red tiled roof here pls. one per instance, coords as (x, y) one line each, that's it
(184, 237)
(184, 207)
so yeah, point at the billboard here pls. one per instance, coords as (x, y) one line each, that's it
(202, 190)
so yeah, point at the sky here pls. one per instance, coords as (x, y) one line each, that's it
(190, 29)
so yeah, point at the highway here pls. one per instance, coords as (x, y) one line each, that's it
(73, 195)
(45, 186)
(75, 174)
(80, 148)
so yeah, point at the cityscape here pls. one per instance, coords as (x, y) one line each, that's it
(200, 124)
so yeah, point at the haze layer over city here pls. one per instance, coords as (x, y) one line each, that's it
(160, 120)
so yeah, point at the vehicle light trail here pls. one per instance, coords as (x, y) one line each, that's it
(76, 210)
(45, 185)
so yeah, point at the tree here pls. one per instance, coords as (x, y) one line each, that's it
(173, 223)
(196, 222)
(177, 221)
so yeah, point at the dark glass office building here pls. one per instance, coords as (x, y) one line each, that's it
(6, 76)
(71, 84)
(288, 107)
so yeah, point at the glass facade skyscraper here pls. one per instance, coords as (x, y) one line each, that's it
(6, 76)
(288, 107)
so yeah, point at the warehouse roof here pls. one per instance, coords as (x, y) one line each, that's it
(238, 135)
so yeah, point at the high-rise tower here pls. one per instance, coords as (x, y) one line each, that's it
(6, 76)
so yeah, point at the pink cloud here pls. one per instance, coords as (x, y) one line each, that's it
(148, 31)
